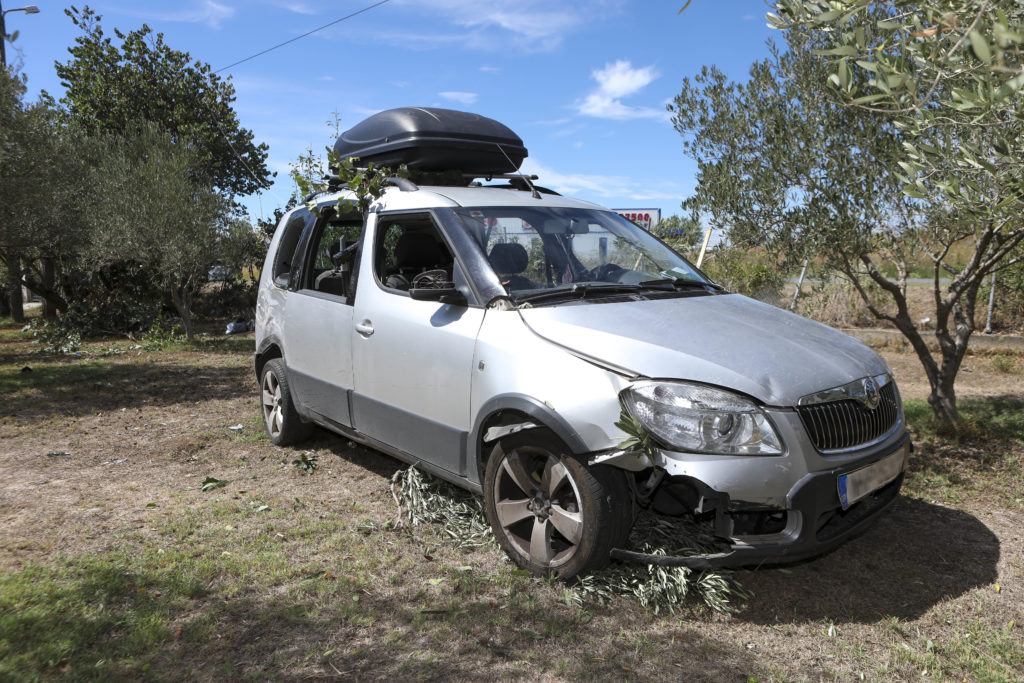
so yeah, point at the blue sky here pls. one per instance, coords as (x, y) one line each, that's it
(583, 82)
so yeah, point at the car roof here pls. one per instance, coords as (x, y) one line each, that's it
(394, 199)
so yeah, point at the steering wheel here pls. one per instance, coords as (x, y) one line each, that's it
(606, 272)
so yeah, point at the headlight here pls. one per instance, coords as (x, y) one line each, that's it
(699, 419)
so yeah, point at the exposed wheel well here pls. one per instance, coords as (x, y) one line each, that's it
(503, 418)
(269, 353)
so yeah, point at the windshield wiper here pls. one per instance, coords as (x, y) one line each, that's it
(579, 290)
(676, 283)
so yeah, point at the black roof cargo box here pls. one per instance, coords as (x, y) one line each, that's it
(428, 139)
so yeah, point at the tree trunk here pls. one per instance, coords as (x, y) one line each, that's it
(49, 278)
(181, 305)
(943, 403)
(14, 297)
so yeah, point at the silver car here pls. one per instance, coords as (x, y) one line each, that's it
(495, 336)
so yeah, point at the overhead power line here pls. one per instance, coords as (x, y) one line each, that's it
(266, 186)
(308, 33)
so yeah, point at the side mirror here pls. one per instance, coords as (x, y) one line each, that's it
(450, 296)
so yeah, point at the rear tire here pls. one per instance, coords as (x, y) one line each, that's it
(550, 512)
(280, 419)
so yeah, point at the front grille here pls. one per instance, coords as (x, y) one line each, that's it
(839, 425)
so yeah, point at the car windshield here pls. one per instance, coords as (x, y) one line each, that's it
(538, 252)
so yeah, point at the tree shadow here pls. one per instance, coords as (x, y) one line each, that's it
(915, 556)
(149, 626)
(85, 387)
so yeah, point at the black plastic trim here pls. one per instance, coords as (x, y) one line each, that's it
(532, 408)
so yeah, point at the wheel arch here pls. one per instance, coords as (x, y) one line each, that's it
(512, 409)
(269, 349)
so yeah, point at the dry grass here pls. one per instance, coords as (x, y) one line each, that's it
(114, 564)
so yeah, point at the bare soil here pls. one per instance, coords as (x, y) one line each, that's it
(107, 454)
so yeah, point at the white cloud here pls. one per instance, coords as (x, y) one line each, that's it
(620, 79)
(615, 81)
(527, 25)
(206, 12)
(489, 69)
(460, 97)
(594, 185)
(298, 8)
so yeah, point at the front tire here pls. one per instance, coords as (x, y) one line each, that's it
(551, 513)
(280, 419)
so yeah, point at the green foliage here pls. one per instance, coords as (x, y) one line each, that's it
(109, 88)
(116, 299)
(955, 66)
(174, 232)
(212, 483)
(640, 439)
(161, 335)
(306, 463)
(751, 272)
(681, 233)
(367, 182)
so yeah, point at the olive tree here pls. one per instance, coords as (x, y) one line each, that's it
(782, 164)
(149, 210)
(949, 75)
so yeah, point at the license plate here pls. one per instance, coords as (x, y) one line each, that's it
(855, 485)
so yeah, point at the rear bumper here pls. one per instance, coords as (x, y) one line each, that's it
(816, 521)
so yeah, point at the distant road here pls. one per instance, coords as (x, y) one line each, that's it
(910, 280)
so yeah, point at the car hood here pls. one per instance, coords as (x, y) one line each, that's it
(726, 340)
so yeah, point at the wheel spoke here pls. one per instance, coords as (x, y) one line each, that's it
(512, 511)
(569, 524)
(268, 398)
(278, 420)
(541, 552)
(554, 474)
(515, 467)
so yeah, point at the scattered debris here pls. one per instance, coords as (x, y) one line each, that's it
(211, 483)
(240, 326)
(305, 462)
(57, 454)
(237, 428)
(422, 499)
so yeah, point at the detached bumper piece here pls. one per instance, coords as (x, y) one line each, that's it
(823, 523)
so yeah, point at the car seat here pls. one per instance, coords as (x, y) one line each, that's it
(415, 252)
(509, 260)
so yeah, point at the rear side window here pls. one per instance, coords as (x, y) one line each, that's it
(288, 255)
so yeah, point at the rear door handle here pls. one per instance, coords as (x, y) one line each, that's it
(364, 328)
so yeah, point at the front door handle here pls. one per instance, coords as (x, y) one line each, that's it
(364, 328)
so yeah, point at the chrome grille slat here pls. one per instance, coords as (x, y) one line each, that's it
(845, 424)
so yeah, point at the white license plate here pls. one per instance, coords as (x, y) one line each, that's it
(855, 485)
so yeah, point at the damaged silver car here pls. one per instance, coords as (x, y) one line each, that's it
(497, 335)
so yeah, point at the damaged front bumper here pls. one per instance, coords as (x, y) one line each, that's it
(821, 511)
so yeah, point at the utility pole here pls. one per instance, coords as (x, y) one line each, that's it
(13, 264)
(29, 9)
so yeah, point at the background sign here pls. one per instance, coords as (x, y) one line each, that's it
(645, 218)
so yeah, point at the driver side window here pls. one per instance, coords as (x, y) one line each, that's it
(410, 252)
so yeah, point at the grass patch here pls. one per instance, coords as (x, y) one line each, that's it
(984, 459)
(95, 617)
(988, 418)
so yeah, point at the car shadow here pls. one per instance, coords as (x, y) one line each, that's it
(915, 556)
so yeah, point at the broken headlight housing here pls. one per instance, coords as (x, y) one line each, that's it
(701, 419)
